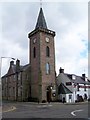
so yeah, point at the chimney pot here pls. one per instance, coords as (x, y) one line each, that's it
(61, 70)
(83, 75)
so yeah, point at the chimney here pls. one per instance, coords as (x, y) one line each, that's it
(11, 63)
(18, 62)
(83, 76)
(17, 65)
(61, 70)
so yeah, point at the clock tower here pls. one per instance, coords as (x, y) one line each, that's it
(42, 61)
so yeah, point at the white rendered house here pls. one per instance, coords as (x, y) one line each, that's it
(72, 88)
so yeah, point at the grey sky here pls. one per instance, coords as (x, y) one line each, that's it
(68, 19)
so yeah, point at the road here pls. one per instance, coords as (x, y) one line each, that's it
(52, 110)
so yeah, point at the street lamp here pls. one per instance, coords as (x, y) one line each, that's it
(51, 87)
(0, 74)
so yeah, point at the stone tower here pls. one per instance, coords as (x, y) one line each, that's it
(42, 60)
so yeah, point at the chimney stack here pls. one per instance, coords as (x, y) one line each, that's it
(17, 65)
(83, 76)
(18, 62)
(61, 70)
(11, 63)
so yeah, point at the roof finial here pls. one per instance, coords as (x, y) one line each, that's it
(40, 3)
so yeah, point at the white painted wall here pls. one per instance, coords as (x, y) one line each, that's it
(81, 92)
(68, 100)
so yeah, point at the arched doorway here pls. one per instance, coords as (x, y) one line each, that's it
(48, 94)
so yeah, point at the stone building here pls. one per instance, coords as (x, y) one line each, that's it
(16, 83)
(42, 60)
(37, 79)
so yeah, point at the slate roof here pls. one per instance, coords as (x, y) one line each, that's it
(22, 68)
(78, 79)
(25, 67)
(41, 22)
(62, 89)
(68, 77)
(62, 78)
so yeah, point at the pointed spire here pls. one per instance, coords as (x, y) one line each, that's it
(41, 23)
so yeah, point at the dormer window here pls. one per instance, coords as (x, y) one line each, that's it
(73, 77)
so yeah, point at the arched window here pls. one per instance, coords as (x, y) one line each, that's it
(47, 51)
(47, 68)
(34, 52)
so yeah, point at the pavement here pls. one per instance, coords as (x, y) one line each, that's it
(78, 103)
(8, 107)
(43, 110)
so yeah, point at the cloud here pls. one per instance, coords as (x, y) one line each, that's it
(68, 20)
(44, 1)
(71, 44)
